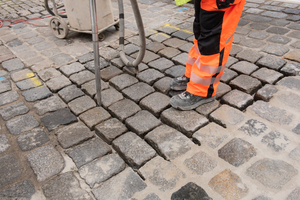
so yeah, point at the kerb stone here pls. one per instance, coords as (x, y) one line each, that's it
(46, 162)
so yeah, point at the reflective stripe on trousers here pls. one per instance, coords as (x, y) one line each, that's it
(214, 29)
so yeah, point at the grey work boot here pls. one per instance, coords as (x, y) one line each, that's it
(179, 83)
(188, 101)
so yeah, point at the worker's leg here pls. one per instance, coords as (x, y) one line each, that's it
(180, 83)
(214, 29)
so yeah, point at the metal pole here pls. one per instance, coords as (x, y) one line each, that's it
(93, 12)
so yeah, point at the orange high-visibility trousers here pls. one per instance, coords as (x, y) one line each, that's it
(214, 26)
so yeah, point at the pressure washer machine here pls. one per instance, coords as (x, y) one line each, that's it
(78, 17)
(96, 19)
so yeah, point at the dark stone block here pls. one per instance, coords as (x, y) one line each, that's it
(57, 118)
(259, 26)
(190, 191)
(88, 151)
(10, 169)
(23, 190)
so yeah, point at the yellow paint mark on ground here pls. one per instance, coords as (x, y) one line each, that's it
(36, 81)
(169, 25)
(187, 31)
(28, 75)
(161, 34)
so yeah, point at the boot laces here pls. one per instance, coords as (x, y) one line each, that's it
(185, 95)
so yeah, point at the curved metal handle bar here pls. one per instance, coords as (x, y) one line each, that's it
(141, 30)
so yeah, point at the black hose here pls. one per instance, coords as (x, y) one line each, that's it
(141, 30)
(50, 11)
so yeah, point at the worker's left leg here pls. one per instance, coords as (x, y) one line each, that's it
(214, 40)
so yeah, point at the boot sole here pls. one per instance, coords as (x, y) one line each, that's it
(191, 107)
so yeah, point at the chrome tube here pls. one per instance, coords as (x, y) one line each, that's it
(93, 12)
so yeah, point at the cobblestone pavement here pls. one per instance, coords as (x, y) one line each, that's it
(56, 143)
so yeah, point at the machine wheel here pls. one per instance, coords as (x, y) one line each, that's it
(49, 8)
(117, 27)
(101, 36)
(59, 27)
